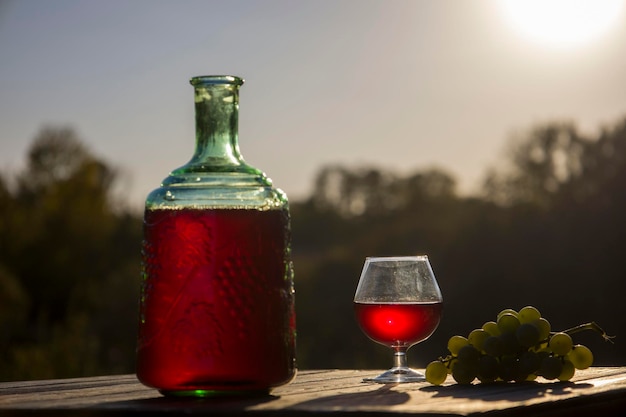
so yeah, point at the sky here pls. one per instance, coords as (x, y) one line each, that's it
(397, 84)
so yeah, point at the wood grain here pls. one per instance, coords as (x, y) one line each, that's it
(600, 391)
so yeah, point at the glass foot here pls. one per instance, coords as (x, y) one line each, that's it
(397, 375)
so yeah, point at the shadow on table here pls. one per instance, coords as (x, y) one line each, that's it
(383, 396)
(187, 405)
(503, 391)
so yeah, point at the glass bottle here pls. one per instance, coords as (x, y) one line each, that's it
(217, 299)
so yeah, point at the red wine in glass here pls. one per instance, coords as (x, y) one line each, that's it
(402, 324)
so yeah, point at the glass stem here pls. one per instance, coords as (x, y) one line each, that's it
(399, 358)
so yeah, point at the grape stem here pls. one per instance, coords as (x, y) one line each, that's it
(447, 360)
(589, 326)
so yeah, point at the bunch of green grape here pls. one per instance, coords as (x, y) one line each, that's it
(518, 346)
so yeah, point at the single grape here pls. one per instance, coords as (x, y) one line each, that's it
(464, 373)
(508, 323)
(551, 367)
(527, 334)
(509, 368)
(528, 314)
(506, 311)
(561, 343)
(477, 338)
(488, 368)
(510, 345)
(436, 372)
(567, 372)
(580, 356)
(455, 343)
(544, 328)
(529, 362)
(491, 327)
(469, 354)
(493, 346)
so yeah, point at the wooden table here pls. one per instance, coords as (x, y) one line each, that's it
(593, 392)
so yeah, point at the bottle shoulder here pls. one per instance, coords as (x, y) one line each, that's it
(231, 191)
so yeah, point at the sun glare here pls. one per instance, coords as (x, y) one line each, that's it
(562, 23)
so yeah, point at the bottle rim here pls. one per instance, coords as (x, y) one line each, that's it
(216, 79)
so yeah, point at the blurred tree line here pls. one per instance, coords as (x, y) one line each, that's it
(69, 265)
(547, 229)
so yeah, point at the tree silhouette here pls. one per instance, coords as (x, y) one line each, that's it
(68, 247)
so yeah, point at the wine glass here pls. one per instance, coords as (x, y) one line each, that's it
(398, 304)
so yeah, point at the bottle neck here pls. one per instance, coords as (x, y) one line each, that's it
(217, 124)
(217, 176)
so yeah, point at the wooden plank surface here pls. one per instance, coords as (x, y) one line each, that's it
(600, 391)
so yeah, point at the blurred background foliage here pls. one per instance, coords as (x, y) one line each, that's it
(547, 228)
